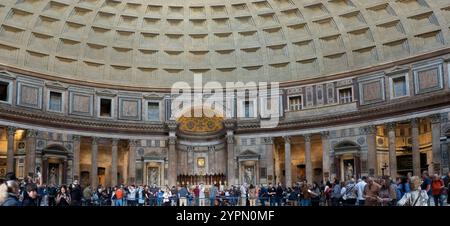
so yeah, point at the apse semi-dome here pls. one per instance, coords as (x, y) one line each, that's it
(154, 43)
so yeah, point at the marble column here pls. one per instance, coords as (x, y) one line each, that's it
(308, 160)
(391, 127)
(114, 154)
(31, 152)
(287, 161)
(415, 146)
(11, 131)
(172, 168)
(436, 143)
(268, 141)
(76, 156)
(325, 156)
(132, 161)
(230, 158)
(371, 150)
(94, 168)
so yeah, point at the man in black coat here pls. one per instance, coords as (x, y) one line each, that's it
(75, 194)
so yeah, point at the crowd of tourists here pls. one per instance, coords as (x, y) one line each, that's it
(367, 191)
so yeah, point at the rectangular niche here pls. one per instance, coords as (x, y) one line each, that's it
(152, 24)
(175, 41)
(40, 42)
(197, 12)
(428, 78)
(325, 27)
(198, 42)
(65, 65)
(94, 51)
(175, 25)
(274, 35)
(47, 24)
(147, 57)
(307, 67)
(91, 69)
(55, 9)
(244, 23)
(278, 53)
(335, 62)
(9, 54)
(29, 94)
(353, 19)
(81, 103)
(124, 38)
(223, 41)
(11, 34)
(412, 5)
(175, 12)
(73, 30)
(304, 48)
(149, 40)
(18, 17)
(131, 8)
(67, 47)
(269, 19)
(248, 38)
(224, 58)
(81, 14)
(154, 11)
(371, 89)
(99, 35)
(429, 40)
(394, 29)
(380, 12)
(122, 56)
(291, 15)
(251, 56)
(360, 38)
(396, 49)
(104, 19)
(127, 21)
(129, 108)
(221, 24)
(120, 73)
(240, 9)
(36, 60)
(365, 56)
(219, 11)
(316, 10)
(332, 43)
(298, 31)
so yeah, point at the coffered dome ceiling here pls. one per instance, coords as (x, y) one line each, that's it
(153, 43)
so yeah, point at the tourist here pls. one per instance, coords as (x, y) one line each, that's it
(385, 193)
(446, 188)
(243, 191)
(403, 187)
(426, 184)
(183, 195)
(75, 194)
(30, 195)
(212, 195)
(87, 195)
(9, 191)
(315, 194)
(51, 194)
(349, 193)
(166, 196)
(371, 192)
(252, 195)
(336, 193)
(437, 185)
(131, 196)
(201, 195)
(196, 195)
(416, 197)
(263, 195)
(327, 193)
(63, 197)
(279, 194)
(118, 196)
(306, 195)
(141, 196)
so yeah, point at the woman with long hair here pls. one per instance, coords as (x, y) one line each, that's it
(63, 197)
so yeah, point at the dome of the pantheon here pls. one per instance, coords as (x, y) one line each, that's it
(154, 43)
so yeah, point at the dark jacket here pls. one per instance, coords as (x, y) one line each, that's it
(76, 195)
(27, 201)
(11, 201)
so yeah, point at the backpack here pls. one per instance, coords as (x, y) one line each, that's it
(119, 194)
